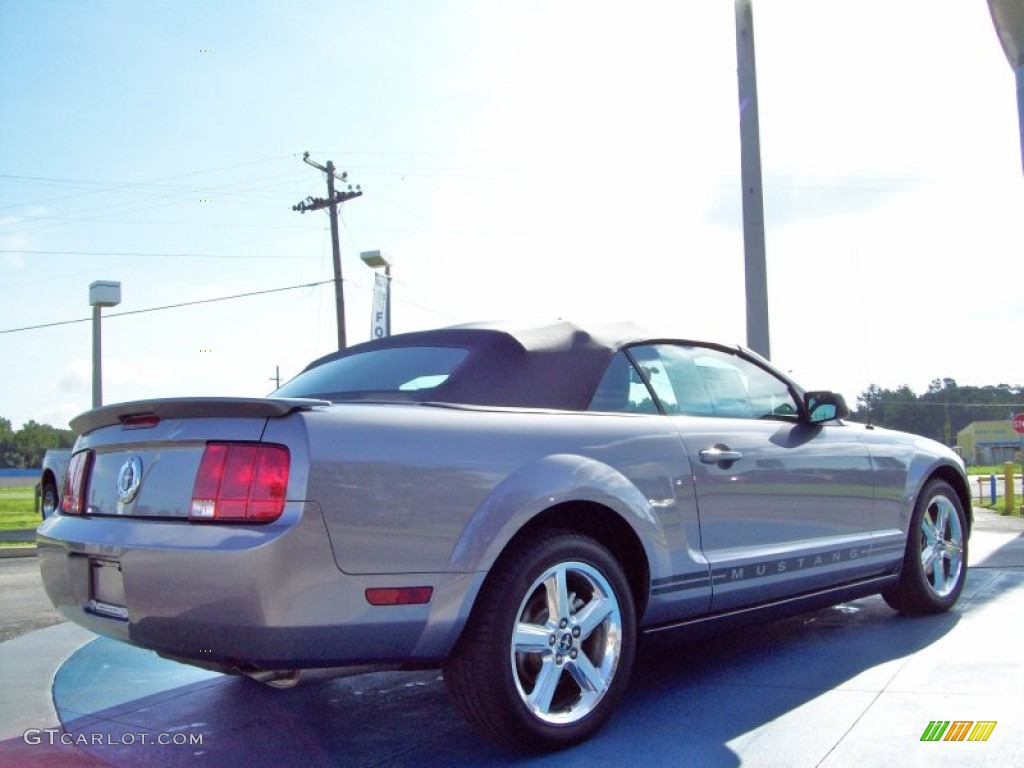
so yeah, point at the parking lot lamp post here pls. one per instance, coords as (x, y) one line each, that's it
(102, 293)
(375, 260)
(754, 259)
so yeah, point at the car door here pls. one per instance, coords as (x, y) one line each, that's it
(784, 506)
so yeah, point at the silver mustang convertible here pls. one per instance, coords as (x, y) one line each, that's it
(518, 506)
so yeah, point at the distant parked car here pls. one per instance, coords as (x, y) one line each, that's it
(51, 479)
(517, 506)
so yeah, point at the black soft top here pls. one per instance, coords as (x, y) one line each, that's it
(554, 366)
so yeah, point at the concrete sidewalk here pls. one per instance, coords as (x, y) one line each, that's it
(853, 685)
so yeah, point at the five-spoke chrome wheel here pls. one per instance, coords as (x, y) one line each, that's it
(567, 642)
(942, 545)
(548, 649)
(935, 561)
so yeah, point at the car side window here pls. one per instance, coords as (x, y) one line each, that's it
(702, 381)
(655, 371)
(622, 390)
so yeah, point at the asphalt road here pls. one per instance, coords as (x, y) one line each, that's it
(852, 685)
(24, 605)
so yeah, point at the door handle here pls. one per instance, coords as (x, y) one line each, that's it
(719, 454)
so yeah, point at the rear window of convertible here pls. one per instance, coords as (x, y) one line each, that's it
(393, 370)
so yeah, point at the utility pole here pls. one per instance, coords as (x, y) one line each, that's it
(331, 203)
(276, 378)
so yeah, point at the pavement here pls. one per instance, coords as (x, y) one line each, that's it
(852, 685)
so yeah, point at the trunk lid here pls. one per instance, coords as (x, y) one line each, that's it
(157, 445)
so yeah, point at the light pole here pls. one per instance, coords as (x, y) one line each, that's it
(380, 321)
(754, 262)
(102, 293)
(1008, 17)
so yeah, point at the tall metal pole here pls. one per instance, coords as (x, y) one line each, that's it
(387, 304)
(1019, 71)
(750, 179)
(1008, 18)
(97, 359)
(102, 293)
(339, 292)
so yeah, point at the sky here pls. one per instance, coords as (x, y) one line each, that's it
(519, 160)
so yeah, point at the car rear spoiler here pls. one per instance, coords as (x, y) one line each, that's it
(191, 408)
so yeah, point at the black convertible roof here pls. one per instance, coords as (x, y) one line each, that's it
(556, 365)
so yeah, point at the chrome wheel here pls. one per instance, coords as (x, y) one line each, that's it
(935, 561)
(546, 654)
(567, 642)
(942, 546)
(50, 499)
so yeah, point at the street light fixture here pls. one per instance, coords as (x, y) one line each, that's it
(376, 260)
(1008, 17)
(102, 293)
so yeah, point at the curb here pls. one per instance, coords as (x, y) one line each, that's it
(26, 551)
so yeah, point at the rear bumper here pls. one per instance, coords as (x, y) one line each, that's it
(261, 597)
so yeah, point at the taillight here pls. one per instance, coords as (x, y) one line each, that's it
(72, 498)
(240, 481)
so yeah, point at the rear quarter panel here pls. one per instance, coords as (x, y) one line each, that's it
(423, 489)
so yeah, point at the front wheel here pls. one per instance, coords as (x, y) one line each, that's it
(547, 653)
(935, 563)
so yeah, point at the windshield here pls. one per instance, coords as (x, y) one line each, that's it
(394, 370)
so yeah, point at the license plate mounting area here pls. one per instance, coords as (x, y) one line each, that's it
(106, 589)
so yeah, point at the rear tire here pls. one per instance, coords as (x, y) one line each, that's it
(50, 498)
(935, 562)
(547, 652)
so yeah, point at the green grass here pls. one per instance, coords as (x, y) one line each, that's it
(17, 509)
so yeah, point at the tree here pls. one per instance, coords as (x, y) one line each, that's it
(942, 411)
(7, 449)
(24, 448)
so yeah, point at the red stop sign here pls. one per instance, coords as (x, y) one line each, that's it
(1018, 423)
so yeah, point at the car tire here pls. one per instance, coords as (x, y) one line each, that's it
(533, 682)
(935, 562)
(50, 499)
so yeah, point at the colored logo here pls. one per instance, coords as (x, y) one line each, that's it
(958, 730)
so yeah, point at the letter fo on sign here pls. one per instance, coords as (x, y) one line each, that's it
(379, 319)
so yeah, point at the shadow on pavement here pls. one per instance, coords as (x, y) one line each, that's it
(127, 707)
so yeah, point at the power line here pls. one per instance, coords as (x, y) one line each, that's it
(151, 255)
(112, 185)
(150, 202)
(170, 306)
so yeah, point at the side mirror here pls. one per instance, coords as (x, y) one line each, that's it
(825, 406)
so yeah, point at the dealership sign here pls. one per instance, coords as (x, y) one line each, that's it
(379, 320)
